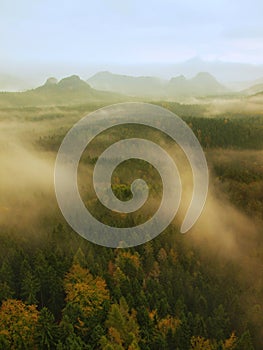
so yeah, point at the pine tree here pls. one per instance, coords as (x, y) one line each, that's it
(46, 330)
(30, 286)
(245, 342)
(123, 329)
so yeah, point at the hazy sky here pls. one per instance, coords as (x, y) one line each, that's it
(125, 31)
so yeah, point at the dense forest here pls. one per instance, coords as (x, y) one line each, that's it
(59, 291)
(64, 293)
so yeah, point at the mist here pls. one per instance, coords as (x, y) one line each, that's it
(27, 191)
(21, 76)
(222, 234)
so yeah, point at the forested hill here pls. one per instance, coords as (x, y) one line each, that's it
(203, 84)
(68, 91)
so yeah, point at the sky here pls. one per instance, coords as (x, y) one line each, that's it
(80, 32)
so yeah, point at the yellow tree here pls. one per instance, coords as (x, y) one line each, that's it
(18, 324)
(230, 343)
(168, 323)
(200, 343)
(85, 293)
(82, 288)
(125, 257)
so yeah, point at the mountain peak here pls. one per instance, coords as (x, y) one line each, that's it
(72, 82)
(51, 81)
(204, 75)
(179, 78)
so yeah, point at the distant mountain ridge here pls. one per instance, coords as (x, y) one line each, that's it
(202, 84)
(68, 91)
(126, 84)
(113, 88)
(236, 75)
